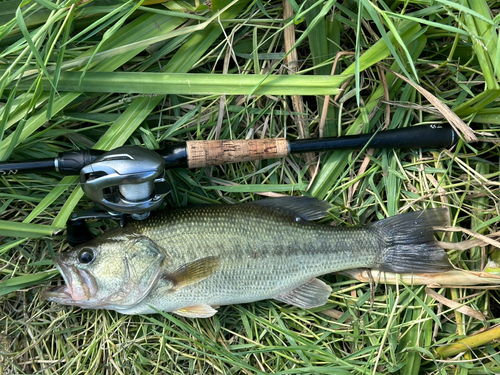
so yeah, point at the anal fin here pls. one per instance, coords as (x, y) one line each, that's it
(198, 311)
(314, 293)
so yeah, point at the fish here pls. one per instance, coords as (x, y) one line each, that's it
(194, 259)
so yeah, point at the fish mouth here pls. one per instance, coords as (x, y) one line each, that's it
(59, 294)
(79, 285)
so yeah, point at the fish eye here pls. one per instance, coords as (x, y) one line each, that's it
(86, 256)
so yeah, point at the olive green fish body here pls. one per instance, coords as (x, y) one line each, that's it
(261, 253)
(191, 260)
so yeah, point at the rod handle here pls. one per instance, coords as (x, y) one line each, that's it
(207, 153)
(421, 136)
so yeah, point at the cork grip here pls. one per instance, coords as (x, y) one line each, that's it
(206, 153)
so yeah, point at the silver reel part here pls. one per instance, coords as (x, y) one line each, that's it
(128, 180)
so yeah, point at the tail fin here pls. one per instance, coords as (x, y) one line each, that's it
(410, 243)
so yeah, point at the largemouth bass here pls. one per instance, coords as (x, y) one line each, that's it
(191, 260)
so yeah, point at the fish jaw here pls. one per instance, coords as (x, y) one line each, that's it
(79, 286)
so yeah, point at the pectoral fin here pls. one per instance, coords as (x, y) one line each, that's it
(193, 272)
(314, 293)
(199, 311)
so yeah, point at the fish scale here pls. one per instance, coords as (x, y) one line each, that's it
(196, 258)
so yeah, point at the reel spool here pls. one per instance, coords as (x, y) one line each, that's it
(127, 180)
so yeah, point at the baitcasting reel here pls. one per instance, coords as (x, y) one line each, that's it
(128, 180)
(125, 181)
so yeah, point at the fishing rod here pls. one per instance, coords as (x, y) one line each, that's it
(129, 180)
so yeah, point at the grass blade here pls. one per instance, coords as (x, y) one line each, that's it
(203, 84)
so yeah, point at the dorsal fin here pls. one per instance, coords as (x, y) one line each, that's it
(307, 208)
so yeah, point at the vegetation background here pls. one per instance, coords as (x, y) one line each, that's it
(60, 90)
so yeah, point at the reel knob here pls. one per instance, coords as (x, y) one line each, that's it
(128, 179)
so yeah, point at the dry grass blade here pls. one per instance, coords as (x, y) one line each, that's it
(469, 244)
(482, 240)
(291, 59)
(455, 305)
(461, 127)
(451, 279)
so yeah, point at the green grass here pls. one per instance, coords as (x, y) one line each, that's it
(64, 69)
